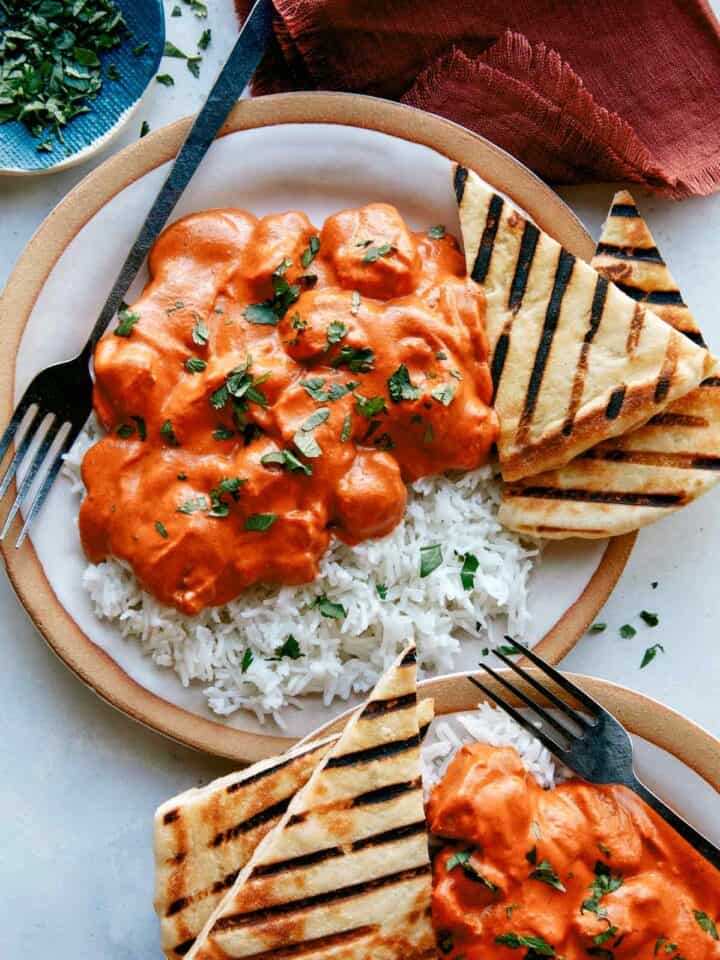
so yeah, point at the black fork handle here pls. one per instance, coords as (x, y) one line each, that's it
(700, 843)
(234, 76)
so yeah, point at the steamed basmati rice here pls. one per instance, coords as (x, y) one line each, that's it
(491, 725)
(340, 657)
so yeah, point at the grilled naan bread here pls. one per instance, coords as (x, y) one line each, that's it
(346, 872)
(633, 480)
(204, 837)
(575, 360)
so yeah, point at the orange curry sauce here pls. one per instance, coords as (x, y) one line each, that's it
(579, 871)
(275, 383)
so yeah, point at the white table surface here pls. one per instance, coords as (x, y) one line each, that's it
(80, 781)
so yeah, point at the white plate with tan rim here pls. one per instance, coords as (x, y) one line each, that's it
(315, 152)
(673, 756)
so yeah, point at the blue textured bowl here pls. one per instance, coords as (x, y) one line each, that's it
(109, 111)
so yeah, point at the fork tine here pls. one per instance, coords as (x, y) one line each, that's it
(30, 474)
(571, 688)
(540, 711)
(47, 483)
(20, 452)
(545, 691)
(15, 421)
(540, 735)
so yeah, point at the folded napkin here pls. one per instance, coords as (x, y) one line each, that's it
(608, 90)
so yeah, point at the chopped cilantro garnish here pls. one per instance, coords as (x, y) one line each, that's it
(381, 590)
(307, 444)
(437, 232)
(627, 631)
(597, 628)
(261, 314)
(651, 653)
(462, 859)
(247, 659)
(444, 394)
(289, 648)
(545, 873)
(287, 460)
(369, 406)
(231, 485)
(430, 558)
(310, 252)
(400, 386)
(140, 49)
(195, 365)
(260, 521)
(219, 398)
(50, 56)
(168, 434)
(176, 11)
(193, 505)
(205, 38)
(603, 884)
(374, 253)
(357, 359)
(706, 923)
(345, 432)
(469, 568)
(538, 946)
(144, 129)
(441, 355)
(125, 430)
(600, 938)
(221, 432)
(315, 387)
(336, 332)
(200, 332)
(165, 79)
(329, 609)
(651, 619)
(161, 529)
(127, 319)
(171, 50)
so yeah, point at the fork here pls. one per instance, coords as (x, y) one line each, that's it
(599, 749)
(55, 407)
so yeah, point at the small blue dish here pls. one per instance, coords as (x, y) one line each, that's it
(110, 111)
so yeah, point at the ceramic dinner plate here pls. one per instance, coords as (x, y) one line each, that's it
(318, 153)
(676, 759)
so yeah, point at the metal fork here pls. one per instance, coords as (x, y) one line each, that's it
(56, 405)
(596, 747)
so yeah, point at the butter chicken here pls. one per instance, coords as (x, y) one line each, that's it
(275, 383)
(579, 871)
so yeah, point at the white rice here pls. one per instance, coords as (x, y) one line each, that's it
(491, 725)
(341, 657)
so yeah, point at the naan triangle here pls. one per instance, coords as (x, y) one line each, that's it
(633, 480)
(346, 872)
(575, 361)
(203, 837)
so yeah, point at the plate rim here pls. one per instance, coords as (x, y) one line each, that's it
(650, 719)
(92, 665)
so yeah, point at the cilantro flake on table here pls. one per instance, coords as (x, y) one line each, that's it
(650, 654)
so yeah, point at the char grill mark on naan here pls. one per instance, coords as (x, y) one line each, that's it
(632, 480)
(574, 361)
(346, 872)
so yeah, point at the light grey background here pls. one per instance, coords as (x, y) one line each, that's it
(79, 782)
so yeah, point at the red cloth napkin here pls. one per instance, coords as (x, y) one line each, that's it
(579, 91)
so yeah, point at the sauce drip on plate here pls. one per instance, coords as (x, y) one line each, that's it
(579, 871)
(274, 384)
